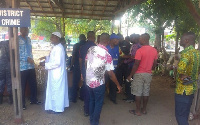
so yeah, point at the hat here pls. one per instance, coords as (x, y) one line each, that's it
(114, 36)
(57, 34)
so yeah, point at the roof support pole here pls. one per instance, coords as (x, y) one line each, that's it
(63, 24)
(15, 67)
(112, 25)
(120, 25)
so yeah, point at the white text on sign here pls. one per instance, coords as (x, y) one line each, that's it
(10, 22)
(11, 13)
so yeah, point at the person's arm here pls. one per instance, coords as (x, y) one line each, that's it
(114, 79)
(80, 63)
(22, 54)
(134, 69)
(182, 66)
(56, 61)
(30, 55)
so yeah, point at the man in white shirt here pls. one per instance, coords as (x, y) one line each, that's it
(57, 85)
(98, 61)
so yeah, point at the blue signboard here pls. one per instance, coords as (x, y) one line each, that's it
(14, 17)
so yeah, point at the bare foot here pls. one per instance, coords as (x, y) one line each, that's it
(138, 113)
(144, 111)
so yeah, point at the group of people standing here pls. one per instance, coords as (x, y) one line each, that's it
(113, 61)
(110, 62)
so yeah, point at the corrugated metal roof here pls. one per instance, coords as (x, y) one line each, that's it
(87, 9)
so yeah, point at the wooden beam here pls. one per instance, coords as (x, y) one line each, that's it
(51, 6)
(84, 17)
(82, 6)
(85, 9)
(93, 2)
(68, 13)
(59, 5)
(29, 5)
(40, 6)
(77, 4)
(15, 69)
(106, 3)
(73, 5)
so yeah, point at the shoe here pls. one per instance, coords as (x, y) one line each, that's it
(52, 112)
(10, 99)
(125, 99)
(1, 98)
(24, 107)
(37, 103)
(114, 101)
(130, 100)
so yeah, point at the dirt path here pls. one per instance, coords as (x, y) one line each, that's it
(160, 110)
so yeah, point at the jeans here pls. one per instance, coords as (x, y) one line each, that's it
(86, 98)
(113, 86)
(30, 77)
(182, 108)
(96, 103)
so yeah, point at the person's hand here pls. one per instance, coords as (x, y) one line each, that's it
(119, 88)
(129, 78)
(82, 78)
(42, 63)
(30, 60)
(182, 77)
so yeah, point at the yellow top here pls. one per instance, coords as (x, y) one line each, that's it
(189, 65)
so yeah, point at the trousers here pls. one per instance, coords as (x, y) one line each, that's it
(29, 76)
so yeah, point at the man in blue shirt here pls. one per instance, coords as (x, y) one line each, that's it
(76, 68)
(83, 52)
(115, 52)
(27, 68)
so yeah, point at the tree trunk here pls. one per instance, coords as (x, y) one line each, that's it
(176, 45)
(199, 43)
(158, 41)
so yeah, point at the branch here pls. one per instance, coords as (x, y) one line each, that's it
(131, 4)
(193, 11)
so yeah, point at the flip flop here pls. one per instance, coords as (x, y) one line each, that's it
(133, 112)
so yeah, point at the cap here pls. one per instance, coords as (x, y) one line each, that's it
(114, 36)
(57, 34)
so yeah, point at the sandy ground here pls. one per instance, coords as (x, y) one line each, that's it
(160, 109)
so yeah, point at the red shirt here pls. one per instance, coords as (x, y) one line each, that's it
(146, 55)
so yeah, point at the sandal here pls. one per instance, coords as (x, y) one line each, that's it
(134, 112)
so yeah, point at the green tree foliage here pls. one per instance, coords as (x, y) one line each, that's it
(76, 27)
(44, 26)
(160, 13)
(73, 27)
